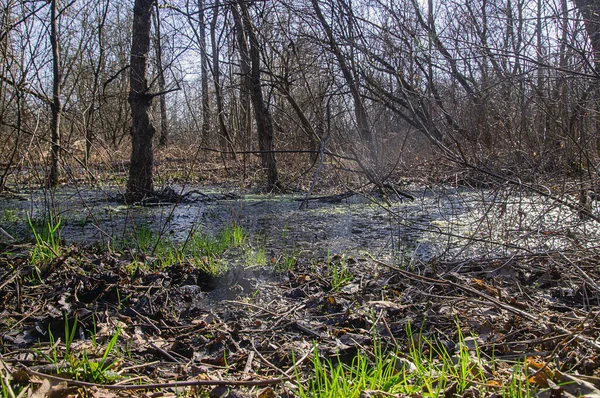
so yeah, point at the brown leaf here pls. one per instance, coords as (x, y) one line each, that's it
(50, 389)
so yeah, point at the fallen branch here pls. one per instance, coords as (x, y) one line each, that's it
(154, 386)
(504, 306)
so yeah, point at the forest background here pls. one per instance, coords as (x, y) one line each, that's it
(504, 88)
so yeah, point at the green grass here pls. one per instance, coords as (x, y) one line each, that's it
(204, 250)
(337, 272)
(10, 215)
(428, 369)
(286, 262)
(256, 257)
(79, 364)
(204, 245)
(47, 247)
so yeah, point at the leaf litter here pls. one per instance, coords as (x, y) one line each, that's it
(255, 331)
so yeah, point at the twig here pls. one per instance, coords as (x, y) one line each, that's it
(148, 321)
(285, 314)
(298, 362)
(265, 360)
(7, 235)
(410, 275)
(12, 278)
(154, 386)
(577, 336)
(133, 367)
(164, 353)
(387, 328)
(583, 274)
(252, 306)
(249, 362)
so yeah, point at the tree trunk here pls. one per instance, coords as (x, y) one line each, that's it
(142, 131)
(250, 66)
(56, 105)
(590, 10)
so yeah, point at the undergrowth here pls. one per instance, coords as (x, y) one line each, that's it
(426, 369)
(79, 364)
(204, 250)
(47, 245)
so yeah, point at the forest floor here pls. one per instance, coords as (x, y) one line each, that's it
(89, 321)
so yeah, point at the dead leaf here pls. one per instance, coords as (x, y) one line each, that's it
(575, 385)
(51, 389)
(267, 393)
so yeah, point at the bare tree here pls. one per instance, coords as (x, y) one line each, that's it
(90, 112)
(142, 159)
(352, 81)
(56, 105)
(162, 86)
(250, 67)
(216, 73)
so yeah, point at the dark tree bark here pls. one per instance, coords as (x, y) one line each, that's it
(142, 130)
(590, 10)
(56, 104)
(250, 66)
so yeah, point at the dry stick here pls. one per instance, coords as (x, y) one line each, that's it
(251, 306)
(387, 328)
(469, 289)
(577, 336)
(265, 360)
(164, 353)
(28, 315)
(7, 235)
(134, 367)
(298, 362)
(149, 322)
(154, 386)
(589, 342)
(583, 274)
(285, 314)
(249, 362)
(571, 336)
(12, 278)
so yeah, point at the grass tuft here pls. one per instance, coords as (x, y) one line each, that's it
(79, 364)
(428, 369)
(47, 245)
(203, 250)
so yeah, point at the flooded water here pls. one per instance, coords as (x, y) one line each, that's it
(441, 223)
